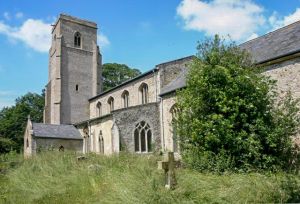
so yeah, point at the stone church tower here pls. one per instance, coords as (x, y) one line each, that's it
(74, 71)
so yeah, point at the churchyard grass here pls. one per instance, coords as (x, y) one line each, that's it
(56, 177)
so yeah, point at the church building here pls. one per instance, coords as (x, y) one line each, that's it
(136, 116)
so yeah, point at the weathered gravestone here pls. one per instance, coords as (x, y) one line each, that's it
(168, 165)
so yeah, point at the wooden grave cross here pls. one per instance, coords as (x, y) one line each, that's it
(169, 164)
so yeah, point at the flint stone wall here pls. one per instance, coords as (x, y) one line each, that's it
(126, 120)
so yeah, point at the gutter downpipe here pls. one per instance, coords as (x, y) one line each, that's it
(89, 136)
(162, 126)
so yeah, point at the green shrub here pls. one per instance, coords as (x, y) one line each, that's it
(6, 144)
(230, 116)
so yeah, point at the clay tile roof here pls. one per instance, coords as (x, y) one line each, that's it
(55, 131)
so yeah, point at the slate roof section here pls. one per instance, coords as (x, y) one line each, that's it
(281, 42)
(177, 83)
(56, 131)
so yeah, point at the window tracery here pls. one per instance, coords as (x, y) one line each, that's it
(142, 137)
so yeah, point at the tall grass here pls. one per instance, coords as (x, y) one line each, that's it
(127, 178)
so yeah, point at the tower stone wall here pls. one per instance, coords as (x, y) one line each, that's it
(74, 71)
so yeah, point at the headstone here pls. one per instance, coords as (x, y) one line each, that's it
(168, 165)
(81, 158)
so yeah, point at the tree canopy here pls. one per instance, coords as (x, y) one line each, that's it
(114, 74)
(13, 120)
(230, 115)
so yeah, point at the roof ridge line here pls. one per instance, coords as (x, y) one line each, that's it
(271, 32)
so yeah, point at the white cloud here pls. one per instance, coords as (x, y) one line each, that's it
(103, 41)
(6, 93)
(254, 35)
(6, 15)
(5, 103)
(276, 21)
(19, 15)
(238, 18)
(7, 98)
(34, 33)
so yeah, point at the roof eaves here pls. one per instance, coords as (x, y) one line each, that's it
(66, 138)
(279, 57)
(91, 120)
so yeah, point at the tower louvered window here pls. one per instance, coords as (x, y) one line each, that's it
(77, 39)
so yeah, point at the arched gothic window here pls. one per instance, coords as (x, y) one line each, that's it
(99, 109)
(125, 98)
(142, 137)
(143, 93)
(174, 112)
(101, 142)
(86, 139)
(110, 102)
(77, 39)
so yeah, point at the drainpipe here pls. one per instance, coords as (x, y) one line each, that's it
(155, 79)
(90, 134)
(162, 122)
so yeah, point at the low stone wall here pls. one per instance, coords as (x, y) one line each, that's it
(56, 143)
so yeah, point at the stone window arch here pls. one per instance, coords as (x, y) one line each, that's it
(143, 90)
(101, 143)
(125, 98)
(99, 109)
(86, 139)
(174, 110)
(27, 143)
(77, 39)
(142, 137)
(110, 102)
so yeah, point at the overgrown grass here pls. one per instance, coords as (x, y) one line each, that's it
(60, 178)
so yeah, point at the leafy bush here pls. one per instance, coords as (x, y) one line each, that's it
(231, 117)
(6, 144)
(13, 120)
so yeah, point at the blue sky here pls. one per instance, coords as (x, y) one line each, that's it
(138, 33)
